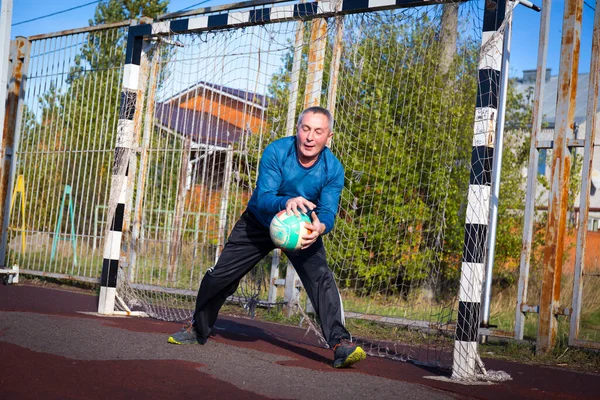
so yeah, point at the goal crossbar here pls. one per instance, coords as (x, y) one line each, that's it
(265, 13)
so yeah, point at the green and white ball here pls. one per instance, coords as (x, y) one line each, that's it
(287, 230)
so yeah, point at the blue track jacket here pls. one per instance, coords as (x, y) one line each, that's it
(282, 177)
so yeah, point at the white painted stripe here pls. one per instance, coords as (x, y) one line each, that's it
(123, 190)
(492, 59)
(471, 282)
(478, 200)
(161, 27)
(484, 133)
(343, 316)
(486, 37)
(381, 3)
(484, 126)
(198, 22)
(131, 76)
(326, 7)
(238, 17)
(480, 140)
(491, 44)
(282, 12)
(125, 133)
(485, 113)
(465, 355)
(112, 245)
(106, 302)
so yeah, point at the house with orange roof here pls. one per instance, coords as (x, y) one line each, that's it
(214, 120)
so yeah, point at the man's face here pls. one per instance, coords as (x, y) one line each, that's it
(312, 135)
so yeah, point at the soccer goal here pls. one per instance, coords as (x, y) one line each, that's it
(413, 87)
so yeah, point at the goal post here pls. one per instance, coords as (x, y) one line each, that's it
(130, 116)
(466, 356)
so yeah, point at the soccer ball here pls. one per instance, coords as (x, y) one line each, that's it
(287, 230)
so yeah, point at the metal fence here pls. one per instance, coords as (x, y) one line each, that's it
(64, 150)
(558, 277)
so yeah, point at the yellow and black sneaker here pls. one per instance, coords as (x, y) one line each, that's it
(187, 335)
(347, 353)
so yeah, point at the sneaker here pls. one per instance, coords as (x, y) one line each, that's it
(347, 353)
(187, 335)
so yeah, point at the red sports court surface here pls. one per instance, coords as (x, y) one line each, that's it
(50, 349)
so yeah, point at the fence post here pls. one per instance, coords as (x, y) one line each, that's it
(291, 294)
(295, 79)
(476, 226)
(176, 234)
(138, 211)
(316, 62)
(274, 276)
(312, 97)
(228, 174)
(5, 24)
(496, 174)
(529, 214)
(130, 113)
(19, 56)
(561, 170)
(588, 158)
(335, 64)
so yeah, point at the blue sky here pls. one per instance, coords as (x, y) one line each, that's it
(524, 40)
(526, 30)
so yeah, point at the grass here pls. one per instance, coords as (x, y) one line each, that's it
(590, 327)
(417, 307)
(151, 266)
(502, 314)
(562, 355)
(502, 309)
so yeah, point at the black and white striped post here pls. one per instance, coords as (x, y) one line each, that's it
(465, 360)
(130, 95)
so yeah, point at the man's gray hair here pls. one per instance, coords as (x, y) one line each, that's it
(317, 110)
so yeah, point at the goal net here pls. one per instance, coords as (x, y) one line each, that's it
(402, 85)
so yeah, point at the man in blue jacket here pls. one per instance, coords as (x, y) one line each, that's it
(298, 174)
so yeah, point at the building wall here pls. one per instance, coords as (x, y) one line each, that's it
(592, 253)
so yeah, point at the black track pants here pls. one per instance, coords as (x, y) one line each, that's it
(248, 243)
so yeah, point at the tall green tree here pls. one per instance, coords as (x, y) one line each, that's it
(403, 134)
